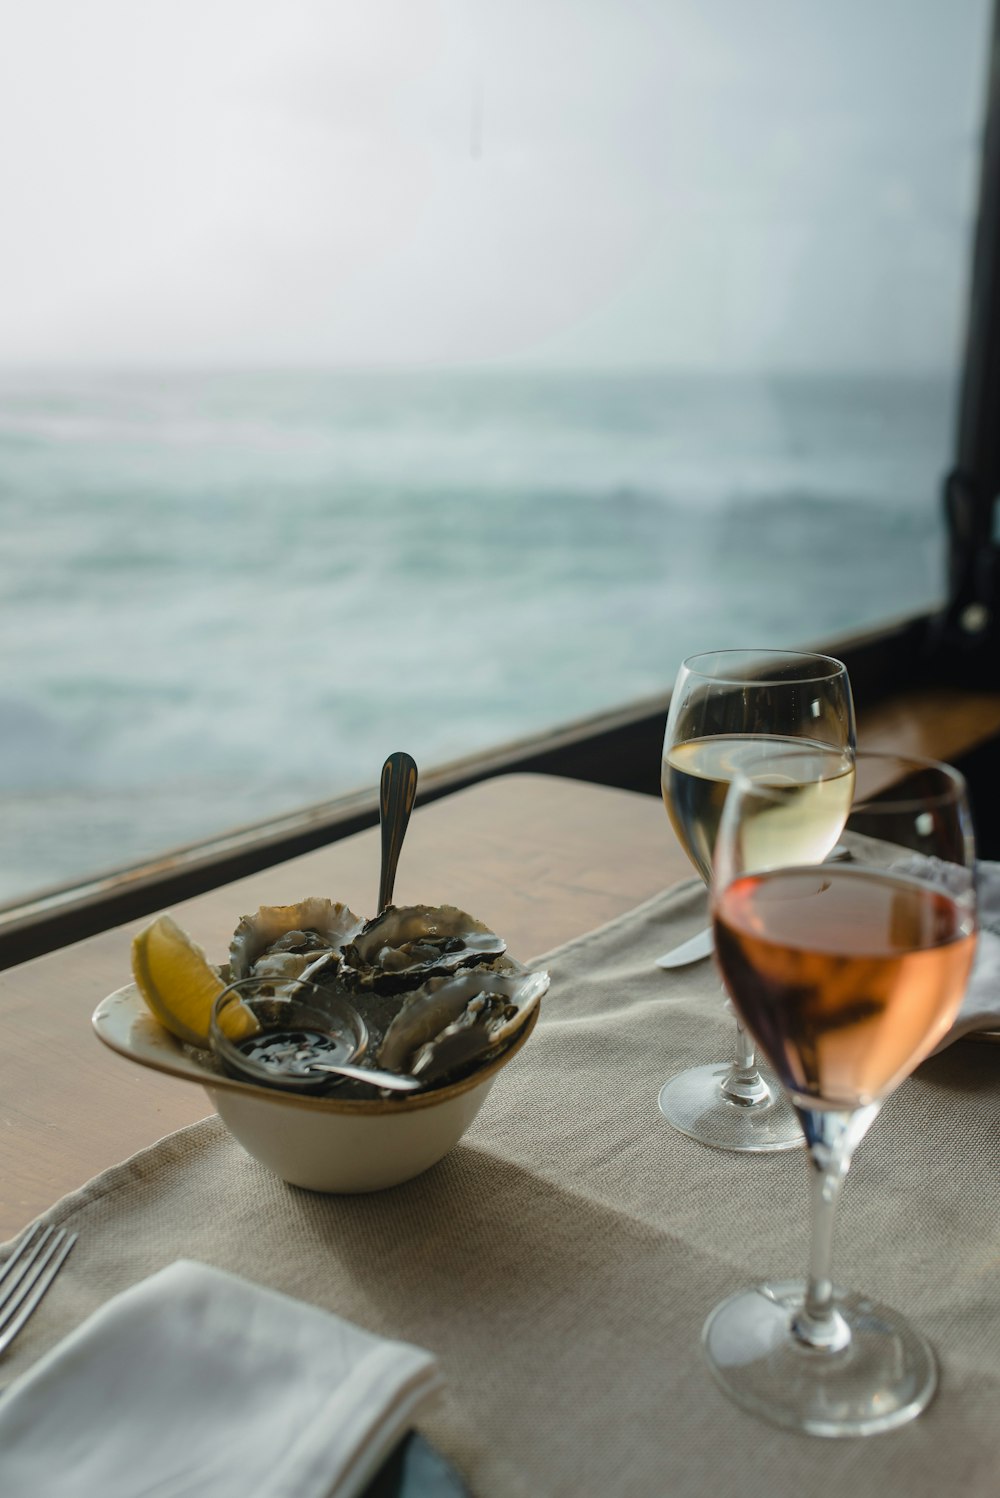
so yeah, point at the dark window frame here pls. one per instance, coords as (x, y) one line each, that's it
(964, 641)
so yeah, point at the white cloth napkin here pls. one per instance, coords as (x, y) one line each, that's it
(981, 1006)
(980, 1009)
(194, 1382)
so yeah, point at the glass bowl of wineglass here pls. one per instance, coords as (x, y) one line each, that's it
(733, 712)
(848, 975)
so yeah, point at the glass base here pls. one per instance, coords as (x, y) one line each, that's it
(694, 1103)
(884, 1376)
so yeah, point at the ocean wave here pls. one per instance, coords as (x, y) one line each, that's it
(225, 597)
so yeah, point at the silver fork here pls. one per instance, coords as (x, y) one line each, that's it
(27, 1274)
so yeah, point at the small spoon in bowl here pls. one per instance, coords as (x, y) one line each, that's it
(396, 792)
(391, 1081)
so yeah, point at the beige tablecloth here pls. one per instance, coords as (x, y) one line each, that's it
(561, 1261)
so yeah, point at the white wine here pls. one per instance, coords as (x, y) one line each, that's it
(802, 828)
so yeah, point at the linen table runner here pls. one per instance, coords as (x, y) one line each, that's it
(561, 1261)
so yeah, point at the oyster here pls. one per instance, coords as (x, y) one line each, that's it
(407, 944)
(281, 942)
(456, 1020)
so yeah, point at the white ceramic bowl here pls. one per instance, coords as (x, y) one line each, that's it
(323, 1144)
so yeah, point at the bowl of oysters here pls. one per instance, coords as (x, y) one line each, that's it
(343, 1054)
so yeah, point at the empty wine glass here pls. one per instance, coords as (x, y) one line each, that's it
(734, 711)
(848, 975)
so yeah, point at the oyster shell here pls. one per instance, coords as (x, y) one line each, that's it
(407, 944)
(281, 942)
(455, 1020)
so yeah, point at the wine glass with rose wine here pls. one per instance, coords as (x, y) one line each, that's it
(848, 975)
(735, 711)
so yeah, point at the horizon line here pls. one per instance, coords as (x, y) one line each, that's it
(563, 371)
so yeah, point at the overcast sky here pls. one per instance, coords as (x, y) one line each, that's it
(723, 183)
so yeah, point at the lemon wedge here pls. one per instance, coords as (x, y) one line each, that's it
(176, 979)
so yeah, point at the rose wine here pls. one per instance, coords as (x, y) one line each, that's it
(847, 977)
(801, 829)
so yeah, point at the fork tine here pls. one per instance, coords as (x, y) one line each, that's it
(31, 1267)
(17, 1260)
(20, 1303)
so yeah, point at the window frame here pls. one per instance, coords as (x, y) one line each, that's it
(964, 639)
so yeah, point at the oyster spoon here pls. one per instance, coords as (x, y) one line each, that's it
(392, 1081)
(395, 802)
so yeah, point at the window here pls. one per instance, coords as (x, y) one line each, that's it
(424, 375)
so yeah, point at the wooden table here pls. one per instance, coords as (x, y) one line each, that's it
(540, 859)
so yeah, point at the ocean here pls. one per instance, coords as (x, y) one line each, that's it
(226, 596)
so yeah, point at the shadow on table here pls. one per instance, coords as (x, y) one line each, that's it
(568, 1333)
(969, 1065)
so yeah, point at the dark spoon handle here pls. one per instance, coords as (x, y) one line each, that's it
(395, 802)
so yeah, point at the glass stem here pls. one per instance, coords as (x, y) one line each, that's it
(743, 1083)
(831, 1139)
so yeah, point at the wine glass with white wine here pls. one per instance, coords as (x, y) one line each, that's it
(733, 712)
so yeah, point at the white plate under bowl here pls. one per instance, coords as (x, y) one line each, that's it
(325, 1143)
